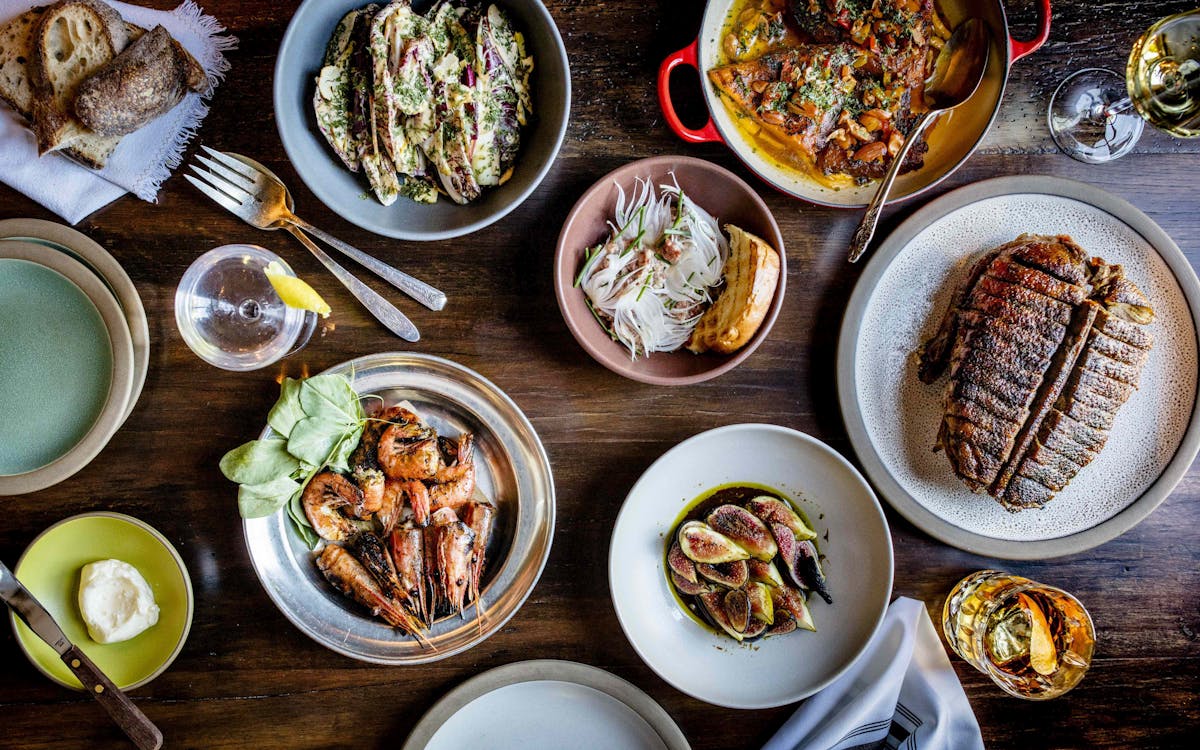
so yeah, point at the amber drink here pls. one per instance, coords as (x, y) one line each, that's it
(1033, 640)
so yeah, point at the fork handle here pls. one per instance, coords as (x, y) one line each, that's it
(427, 295)
(385, 312)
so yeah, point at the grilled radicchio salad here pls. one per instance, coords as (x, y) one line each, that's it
(425, 103)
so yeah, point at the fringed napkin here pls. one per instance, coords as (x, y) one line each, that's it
(144, 158)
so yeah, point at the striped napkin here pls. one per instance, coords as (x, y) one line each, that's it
(144, 158)
(901, 693)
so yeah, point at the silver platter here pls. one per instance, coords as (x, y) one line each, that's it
(511, 469)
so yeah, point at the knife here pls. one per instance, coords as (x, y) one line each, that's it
(128, 717)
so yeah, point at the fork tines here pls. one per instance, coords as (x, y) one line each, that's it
(226, 180)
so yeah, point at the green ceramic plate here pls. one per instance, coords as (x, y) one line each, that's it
(49, 568)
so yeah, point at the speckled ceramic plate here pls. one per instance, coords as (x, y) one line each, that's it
(546, 704)
(893, 418)
(512, 470)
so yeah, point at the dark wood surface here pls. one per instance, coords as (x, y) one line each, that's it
(247, 678)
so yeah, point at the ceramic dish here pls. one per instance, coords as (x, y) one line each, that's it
(345, 193)
(852, 535)
(512, 471)
(893, 419)
(546, 704)
(720, 192)
(50, 567)
(85, 250)
(951, 142)
(70, 361)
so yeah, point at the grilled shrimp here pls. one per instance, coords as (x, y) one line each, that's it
(457, 457)
(408, 553)
(453, 544)
(324, 500)
(371, 482)
(408, 450)
(348, 575)
(455, 493)
(479, 517)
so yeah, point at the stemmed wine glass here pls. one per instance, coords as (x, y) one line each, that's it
(1096, 115)
(229, 314)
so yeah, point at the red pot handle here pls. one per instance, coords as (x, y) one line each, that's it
(685, 56)
(1018, 49)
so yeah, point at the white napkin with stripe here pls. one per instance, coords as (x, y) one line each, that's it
(144, 158)
(901, 693)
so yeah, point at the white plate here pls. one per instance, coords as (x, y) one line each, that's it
(546, 704)
(852, 535)
(892, 417)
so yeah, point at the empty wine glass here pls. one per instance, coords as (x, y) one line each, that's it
(229, 314)
(1097, 115)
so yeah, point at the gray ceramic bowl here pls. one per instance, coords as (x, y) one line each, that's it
(296, 67)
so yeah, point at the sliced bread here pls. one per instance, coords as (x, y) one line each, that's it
(16, 46)
(72, 40)
(751, 278)
(150, 77)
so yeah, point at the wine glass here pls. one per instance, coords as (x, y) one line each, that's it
(230, 315)
(1097, 115)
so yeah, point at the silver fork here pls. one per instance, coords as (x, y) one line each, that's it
(276, 212)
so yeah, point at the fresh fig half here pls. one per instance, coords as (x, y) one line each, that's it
(731, 575)
(755, 628)
(737, 608)
(702, 544)
(772, 510)
(789, 551)
(784, 623)
(714, 607)
(793, 602)
(761, 606)
(680, 564)
(692, 588)
(745, 529)
(810, 569)
(764, 572)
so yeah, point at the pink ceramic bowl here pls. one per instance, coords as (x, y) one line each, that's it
(718, 191)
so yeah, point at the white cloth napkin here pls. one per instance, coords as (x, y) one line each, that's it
(901, 693)
(144, 158)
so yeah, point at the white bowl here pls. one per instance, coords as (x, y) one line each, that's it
(852, 535)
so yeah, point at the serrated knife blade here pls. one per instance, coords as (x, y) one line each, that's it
(31, 611)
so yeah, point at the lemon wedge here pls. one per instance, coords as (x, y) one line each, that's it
(295, 292)
(1042, 655)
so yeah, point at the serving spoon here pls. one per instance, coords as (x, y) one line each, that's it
(957, 73)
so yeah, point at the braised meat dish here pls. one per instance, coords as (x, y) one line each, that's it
(1043, 344)
(833, 86)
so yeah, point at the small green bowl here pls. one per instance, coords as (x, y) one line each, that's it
(50, 567)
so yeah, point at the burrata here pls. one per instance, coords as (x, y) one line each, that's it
(115, 601)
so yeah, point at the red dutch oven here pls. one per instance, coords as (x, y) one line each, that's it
(952, 140)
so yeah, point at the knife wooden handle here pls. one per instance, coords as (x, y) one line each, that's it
(129, 717)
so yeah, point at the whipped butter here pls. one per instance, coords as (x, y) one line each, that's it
(115, 601)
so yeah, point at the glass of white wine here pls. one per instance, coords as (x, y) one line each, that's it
(229, 314)
(1097, 115)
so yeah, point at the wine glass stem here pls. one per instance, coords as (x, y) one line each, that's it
(1105, 111)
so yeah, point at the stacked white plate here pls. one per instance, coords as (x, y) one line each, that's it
(74, 352)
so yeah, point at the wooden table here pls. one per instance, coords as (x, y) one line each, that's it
(247, 678)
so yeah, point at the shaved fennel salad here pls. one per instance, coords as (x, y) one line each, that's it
(650, 281)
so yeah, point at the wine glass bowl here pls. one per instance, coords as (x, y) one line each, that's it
(229, 314)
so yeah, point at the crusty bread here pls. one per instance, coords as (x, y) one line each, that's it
(751, 277)
(16, 45)
(150, 77)
(72, 40)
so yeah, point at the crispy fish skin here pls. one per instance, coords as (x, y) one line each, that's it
(1043, 344)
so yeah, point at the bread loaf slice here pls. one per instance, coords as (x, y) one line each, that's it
(146, 80)
(751, 277)
(16, 46)
(72, 40)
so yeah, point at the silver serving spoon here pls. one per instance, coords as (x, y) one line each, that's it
(956, 74)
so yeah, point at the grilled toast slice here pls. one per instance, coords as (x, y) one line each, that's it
(751, 277)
